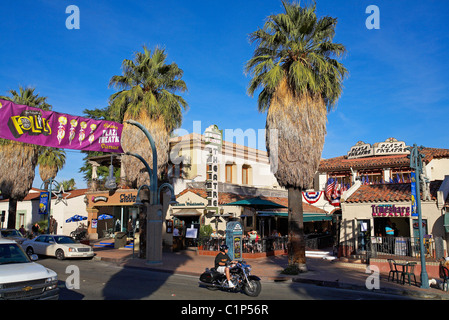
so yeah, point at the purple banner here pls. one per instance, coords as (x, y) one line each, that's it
(53, 129)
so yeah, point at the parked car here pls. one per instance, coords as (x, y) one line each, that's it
(23, 279)
(58, 246)
(12, 234)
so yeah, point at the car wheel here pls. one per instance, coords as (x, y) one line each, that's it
(60, 254)
(29, 251)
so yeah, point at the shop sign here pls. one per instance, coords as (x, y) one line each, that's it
(128, 198)
(361, 149)
(213, 136)
(100, 198)
(389, 210)
(189, 204)
(391, 146)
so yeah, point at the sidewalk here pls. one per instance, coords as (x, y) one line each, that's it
(321, 272)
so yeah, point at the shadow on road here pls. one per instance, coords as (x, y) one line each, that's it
(134, 283)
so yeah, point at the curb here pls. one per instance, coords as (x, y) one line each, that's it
(393, 291)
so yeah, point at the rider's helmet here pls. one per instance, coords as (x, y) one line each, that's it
(223, 247)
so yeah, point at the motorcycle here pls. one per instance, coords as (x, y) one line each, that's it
(240, 276)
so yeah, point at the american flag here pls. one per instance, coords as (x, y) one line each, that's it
(336, 192)
(330, 187)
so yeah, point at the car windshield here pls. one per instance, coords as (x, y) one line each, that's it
(12, 253)
(64, 239)
(10, 233)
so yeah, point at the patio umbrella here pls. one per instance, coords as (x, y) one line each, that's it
(76, 218)
(105, 217)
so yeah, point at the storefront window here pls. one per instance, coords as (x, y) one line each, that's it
(229, 173)
(364, 232)
(371, 176)
(416, 227)
(401, 176)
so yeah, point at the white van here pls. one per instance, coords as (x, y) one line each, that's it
(23, 279)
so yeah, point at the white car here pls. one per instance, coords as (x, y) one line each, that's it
(20, 278)
(58, 246)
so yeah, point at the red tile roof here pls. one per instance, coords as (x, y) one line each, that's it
(343, 163)
(390, 192)
(36, 195)
(227, 197)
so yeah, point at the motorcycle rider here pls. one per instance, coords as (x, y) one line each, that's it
(222, 262)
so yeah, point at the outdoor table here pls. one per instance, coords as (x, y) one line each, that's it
(402, 271)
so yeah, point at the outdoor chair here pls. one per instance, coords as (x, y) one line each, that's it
(393, 270)
(409, 271)
(444, 275)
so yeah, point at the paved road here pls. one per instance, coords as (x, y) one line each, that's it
(106, 281)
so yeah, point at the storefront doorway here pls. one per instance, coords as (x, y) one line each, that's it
(122, 220)
(400, 225)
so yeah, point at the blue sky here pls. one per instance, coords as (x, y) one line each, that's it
(398, 84)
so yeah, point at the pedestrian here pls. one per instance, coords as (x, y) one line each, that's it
(52, 228)
(130, 227)
(22, 230)
(35, 229)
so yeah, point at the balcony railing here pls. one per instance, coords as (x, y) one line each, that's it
(389, 246)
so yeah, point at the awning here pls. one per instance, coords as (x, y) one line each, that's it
(257, 203)
(307, 217)
(446, 222)
(186, 213)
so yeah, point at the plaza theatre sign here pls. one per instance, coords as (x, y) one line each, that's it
(391, 146)
(213, 140)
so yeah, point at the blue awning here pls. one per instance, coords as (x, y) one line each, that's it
(446, 222)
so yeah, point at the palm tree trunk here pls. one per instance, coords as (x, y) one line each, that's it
(12, 210)
(296, 241)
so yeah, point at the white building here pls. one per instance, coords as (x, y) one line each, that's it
(72, 203)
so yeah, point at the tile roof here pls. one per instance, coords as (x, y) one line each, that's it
(343, 163)
(36, 194)
(390, 192)
(227, 197)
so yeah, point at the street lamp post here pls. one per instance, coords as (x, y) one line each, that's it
(416, 163)
(152, 173)
(154, 207)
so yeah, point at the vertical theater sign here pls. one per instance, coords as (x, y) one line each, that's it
(213, 140)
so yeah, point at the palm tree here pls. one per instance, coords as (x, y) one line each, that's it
(147, 94)
(50, 161)
(295, 66)
(86, 168)
(68, 185)
(18, 160)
